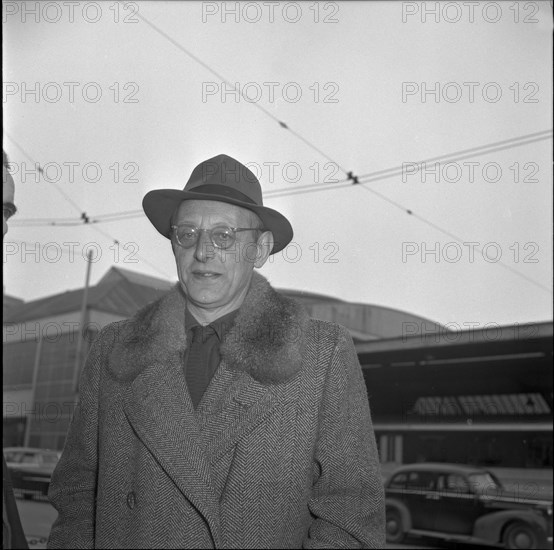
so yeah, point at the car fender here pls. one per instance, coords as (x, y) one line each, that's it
(490, 526)
(403, 509)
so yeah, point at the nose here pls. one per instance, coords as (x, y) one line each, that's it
(205, 249)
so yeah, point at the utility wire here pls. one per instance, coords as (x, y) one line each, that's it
(140, 257)
(455, 237)
(351, 180)
(64, 195)
(398, 170)
(30, 222)
(371, 177)
(84, 218)
(103, 216)
(326, 186)
(223, 79)
(131, 214)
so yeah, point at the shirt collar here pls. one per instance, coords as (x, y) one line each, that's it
(220, 326)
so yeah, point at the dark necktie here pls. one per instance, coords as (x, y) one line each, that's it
(197, 372)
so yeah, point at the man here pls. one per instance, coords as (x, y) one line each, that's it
(12, 532)
(220, 416)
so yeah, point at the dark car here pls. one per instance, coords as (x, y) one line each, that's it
(463, 503)
(31, 469)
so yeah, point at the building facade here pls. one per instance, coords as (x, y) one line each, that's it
(479, 396)
(45, 343)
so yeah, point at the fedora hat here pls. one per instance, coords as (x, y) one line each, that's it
(221, 178)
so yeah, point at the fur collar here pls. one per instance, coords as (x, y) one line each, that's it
(267, 338)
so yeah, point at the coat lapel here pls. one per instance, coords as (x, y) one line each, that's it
(233, 405)
(158, 406)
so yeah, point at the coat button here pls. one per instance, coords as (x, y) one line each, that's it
(131, 500)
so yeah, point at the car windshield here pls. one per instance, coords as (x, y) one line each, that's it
(483, 482)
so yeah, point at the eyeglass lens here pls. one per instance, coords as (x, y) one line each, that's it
(221, 236)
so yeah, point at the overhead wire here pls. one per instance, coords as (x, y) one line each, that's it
(140, 257)
(225, 80)
(62, 193)
(351, 178)
(458, 239)
(326, 186)
(381, 174)
(84, 219)
(362, 179)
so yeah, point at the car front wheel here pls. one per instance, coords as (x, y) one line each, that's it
(395, 526)
(520, 535)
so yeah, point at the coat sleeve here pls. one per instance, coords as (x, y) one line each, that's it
(72, 489)
(347, 497)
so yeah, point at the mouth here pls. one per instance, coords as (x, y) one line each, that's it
(206, 274)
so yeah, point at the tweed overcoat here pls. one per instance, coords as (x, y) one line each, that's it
(280, 452)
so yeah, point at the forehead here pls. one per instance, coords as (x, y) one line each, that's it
(213, 212)
(7, 186)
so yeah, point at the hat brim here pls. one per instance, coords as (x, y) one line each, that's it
(160, 204)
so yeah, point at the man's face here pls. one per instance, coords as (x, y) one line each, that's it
(212, 278)
(7, 199)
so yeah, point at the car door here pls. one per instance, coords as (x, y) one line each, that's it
(458, 505)
(13, 462)
(420, 489)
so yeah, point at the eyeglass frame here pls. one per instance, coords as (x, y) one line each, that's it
(199, 230)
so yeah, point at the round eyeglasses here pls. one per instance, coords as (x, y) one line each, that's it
(221, 236)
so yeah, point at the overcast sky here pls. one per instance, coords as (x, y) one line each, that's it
(112, 107)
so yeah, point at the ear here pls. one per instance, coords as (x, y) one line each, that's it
(265, 246)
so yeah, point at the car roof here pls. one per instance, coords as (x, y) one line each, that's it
(440, 467)
(30, 450)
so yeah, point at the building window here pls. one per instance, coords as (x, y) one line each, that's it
(19, 361)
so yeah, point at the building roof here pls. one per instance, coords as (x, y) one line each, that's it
(119, 291)
(9, 303)
(122, 292)
(365, 322)
(421, 346)
(116, 274)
